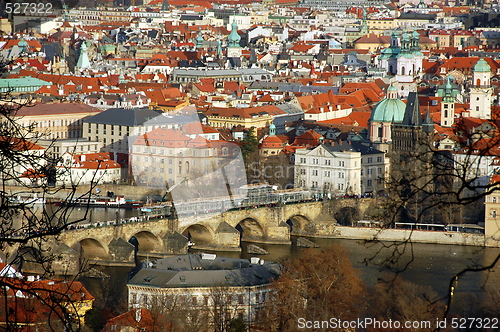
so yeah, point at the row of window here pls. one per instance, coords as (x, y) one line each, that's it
(327, 174)
(54, 123)
(328, 162)
(195, 300)
(120, 130)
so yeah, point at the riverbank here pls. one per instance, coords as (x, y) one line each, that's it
(129, 191)
(417, 236)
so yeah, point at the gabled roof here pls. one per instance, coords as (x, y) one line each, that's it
(163, 137)
(94, 161)
(309, 138)
(136, 320)
(249, 112)
(19, 144)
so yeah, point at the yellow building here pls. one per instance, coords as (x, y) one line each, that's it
(372, 42)
(378, 26)
(492, 217)
(258, 117)
(465, 38)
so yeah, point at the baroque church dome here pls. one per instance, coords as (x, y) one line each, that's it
(390, 109)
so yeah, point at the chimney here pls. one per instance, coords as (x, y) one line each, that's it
(138, 315)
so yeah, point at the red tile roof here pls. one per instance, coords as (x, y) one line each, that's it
(134, 320)
(467, 63)
(309, 138)
(163, 137)
(41, 109)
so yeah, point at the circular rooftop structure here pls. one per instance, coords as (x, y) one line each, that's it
(482, 66)
(389, 110)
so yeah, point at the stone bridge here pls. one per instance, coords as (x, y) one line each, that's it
(118, 243)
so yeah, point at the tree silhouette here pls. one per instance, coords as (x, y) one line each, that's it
(28, 175)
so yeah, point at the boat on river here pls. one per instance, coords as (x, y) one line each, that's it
(28, 200)
(104, 202)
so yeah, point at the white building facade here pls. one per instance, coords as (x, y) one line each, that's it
(337, 172)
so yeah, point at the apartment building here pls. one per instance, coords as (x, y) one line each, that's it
(329, 170)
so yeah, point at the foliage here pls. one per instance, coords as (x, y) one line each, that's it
(250, 143)
(317, 285)
(400, 300)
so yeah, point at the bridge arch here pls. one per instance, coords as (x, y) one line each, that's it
(199, 234)
(251, 230)
(300, 224)
(145, 241)
(347, 215)
(30, 254)
(92, 249)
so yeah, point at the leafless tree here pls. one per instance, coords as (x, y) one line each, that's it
(433, 185)
(28, 176)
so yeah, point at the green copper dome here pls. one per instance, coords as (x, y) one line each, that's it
(388, 110)
(199, 40)
(234, 38)
(23, 45)
(482, 66)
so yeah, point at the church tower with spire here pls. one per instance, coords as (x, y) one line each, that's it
(448, 106)
(83, 59)
(364, 30)
(481, 90)
(199, 41)
(233, 42)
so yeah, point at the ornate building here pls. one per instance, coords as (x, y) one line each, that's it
(387, 112)
(233, 46)
(403, 59)
(481, 91)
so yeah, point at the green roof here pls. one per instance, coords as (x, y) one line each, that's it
(388, 110)
(22, 82)
(482, 66)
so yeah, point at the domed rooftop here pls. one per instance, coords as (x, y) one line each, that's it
(23, 44)
(388, 110)
(272, 142)
(482, 66)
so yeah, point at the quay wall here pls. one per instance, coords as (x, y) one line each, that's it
(417, 236)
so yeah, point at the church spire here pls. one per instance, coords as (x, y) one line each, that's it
(412, 116)
(365, 30)
(199, 40)
(165, 6)
(83, 59)
(233, 40)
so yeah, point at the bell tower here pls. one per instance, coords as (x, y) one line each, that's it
(481, 90)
